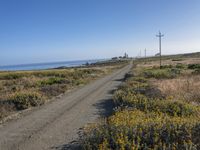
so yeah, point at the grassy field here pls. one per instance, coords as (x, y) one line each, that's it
(21, 90)
(155, 108)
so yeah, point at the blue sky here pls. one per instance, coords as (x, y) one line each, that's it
(59, 30)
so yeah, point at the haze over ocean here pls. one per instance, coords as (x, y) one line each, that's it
(36, 31)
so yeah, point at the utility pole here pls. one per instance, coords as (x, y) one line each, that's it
(145, 55)
(160, 37)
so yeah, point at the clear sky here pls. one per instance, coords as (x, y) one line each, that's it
(59, 30)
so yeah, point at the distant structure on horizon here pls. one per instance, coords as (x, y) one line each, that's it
(121, 57)
(125, 55)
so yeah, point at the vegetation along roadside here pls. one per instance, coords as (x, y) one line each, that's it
(155, 109)
(20, 90)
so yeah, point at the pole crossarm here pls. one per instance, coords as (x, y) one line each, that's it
(160, 35)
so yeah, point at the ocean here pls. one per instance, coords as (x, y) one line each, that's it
(50, 65)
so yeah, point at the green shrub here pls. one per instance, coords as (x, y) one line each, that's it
(180, 66)
(11, 75)
(196, 71)
(166, 66)
(161, 73)
(78, 82)
(51, 73)
(194, 66)
(177, 59)
(128, 75)
(78, 74)
(51, 81)
(141, 102)
(24, 100)
(139, 79)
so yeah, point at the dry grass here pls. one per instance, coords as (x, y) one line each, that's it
(185, 61)
(184, 88)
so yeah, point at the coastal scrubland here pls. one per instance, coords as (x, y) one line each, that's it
(155, 108)
(20, 90)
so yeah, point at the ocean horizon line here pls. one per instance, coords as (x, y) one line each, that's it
(48, 62)
(48, 65)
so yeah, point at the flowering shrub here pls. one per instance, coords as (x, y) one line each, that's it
(139, 130)
(144, 123)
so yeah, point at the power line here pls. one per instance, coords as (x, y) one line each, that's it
(160, 37)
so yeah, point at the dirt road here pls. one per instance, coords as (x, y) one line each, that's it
(55, 125)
